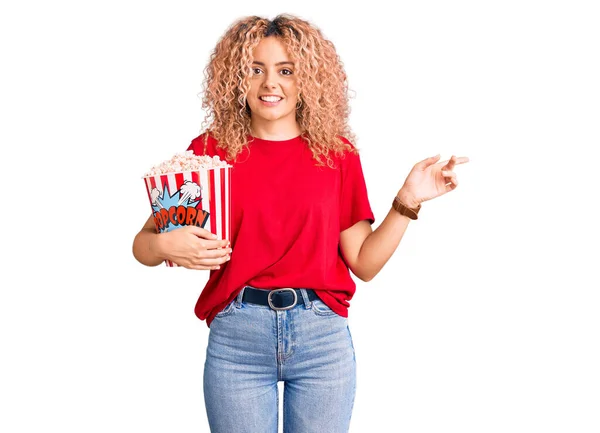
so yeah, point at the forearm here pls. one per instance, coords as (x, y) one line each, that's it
(379, 246)
(147, 248)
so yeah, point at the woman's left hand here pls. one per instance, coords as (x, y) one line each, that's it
(429, 179)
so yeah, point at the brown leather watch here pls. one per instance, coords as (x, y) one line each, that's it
(404, 210)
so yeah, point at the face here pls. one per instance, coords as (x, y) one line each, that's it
(273, 88)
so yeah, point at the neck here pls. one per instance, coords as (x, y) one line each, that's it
(275, 130)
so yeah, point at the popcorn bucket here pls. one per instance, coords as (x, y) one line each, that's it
(201, 198)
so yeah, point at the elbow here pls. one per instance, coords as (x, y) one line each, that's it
(363, 269)
(367, 272)
(136, 250)
(365, 276)
(136, 255)
(142, 253)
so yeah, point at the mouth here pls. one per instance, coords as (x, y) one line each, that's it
(270, 98)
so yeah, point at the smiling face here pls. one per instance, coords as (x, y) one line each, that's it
(273, 89)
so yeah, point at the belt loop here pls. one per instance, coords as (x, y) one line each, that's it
(307, 303)
(238, 299)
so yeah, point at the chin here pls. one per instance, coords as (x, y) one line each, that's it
(270, 116)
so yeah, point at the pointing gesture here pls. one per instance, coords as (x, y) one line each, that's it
(429, 179)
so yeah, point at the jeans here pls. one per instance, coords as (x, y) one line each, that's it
(252, 347)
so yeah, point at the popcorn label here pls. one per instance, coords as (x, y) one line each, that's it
(199, 197)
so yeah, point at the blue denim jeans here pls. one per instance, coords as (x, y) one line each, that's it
(252, 347)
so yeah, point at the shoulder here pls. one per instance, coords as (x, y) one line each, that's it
(349, 155)
(346, 141)
(206, 144)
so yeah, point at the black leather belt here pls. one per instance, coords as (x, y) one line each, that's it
(277, 299)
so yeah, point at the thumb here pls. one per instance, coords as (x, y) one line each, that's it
(428, 161)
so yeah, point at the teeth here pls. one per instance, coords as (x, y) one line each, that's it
(270, 98)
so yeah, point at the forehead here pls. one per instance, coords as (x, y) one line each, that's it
(271, 50)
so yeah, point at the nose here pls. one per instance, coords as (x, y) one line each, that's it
(270, 81)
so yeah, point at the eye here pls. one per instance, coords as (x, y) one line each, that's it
(256, 71)
(286, 72)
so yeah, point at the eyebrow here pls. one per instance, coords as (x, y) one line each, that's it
(276, 64)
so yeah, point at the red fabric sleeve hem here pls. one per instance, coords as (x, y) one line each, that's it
(369, 217)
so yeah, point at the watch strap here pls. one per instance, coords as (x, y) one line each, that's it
(405, 210)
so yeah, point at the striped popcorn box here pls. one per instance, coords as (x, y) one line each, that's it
(200, 197)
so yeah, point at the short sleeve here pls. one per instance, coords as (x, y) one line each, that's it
(202, 145)
(206, 144)
(354, 200)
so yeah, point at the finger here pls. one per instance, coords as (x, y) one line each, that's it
(211, 262)
(213, 245)
(203, 268)
(213, 254)
(450, 187)
(460, 160)
(452, 183)
(457, 160)
(427, 161)
(451, 163)
(201, 233)
(197, 267)
(221, 243)
(448, 175)
(191, 265)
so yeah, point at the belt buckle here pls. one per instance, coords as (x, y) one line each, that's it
(282, 290)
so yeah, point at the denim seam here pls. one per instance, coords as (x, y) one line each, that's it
(225, 311)
(319, 312)
(284, 353)
(238, 298)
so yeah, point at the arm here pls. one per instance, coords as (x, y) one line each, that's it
(366, 251)
(191, 247)
(146, 245)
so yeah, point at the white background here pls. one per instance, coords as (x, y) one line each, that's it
(486, 319)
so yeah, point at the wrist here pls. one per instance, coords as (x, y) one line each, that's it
(402, 209)
(407, 199)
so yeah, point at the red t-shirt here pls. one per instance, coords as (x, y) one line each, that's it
(286, 219)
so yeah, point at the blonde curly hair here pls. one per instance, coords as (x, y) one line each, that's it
(324, 108)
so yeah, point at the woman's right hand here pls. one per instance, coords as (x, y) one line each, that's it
(194, 248)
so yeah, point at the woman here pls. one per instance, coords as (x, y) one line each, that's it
(277, 104)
